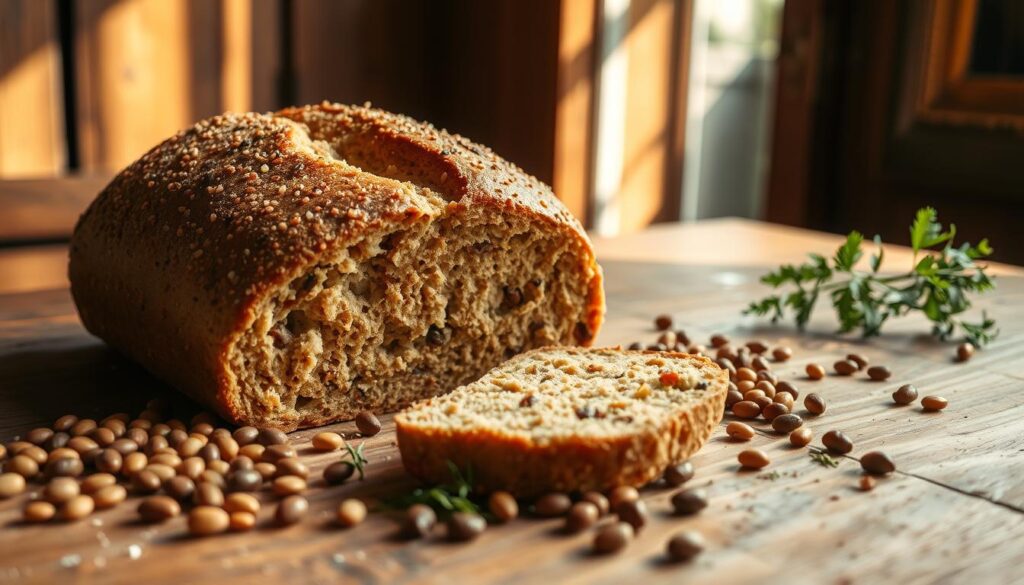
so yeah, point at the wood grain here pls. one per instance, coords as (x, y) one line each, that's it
(951, 514)
(31, 102)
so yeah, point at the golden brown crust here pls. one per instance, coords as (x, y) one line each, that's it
(511, 463)
(171, 260)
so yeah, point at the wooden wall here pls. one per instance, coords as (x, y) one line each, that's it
(87, 86)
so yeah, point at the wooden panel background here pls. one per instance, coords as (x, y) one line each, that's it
(87, 86)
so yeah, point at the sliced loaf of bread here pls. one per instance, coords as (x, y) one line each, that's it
(567, 419)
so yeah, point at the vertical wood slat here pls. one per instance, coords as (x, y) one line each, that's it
(147, 68)
(31, 102)
(574, 109)
(646, 194)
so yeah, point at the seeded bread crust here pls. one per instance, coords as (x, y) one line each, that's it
(190, 251)
(525, 465)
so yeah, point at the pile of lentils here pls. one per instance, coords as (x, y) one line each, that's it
(757, 394)
(86, 465)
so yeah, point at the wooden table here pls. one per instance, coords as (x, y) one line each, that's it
(954, 512)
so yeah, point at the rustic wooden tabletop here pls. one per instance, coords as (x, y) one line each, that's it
(953, 512)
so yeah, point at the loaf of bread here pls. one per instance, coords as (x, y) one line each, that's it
(567, 419)
(293, 269)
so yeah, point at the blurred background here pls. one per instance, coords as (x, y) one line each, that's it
(829, 115)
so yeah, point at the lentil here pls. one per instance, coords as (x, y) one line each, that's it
(291, 466)
(552, 505)
(208, 494)
(207, 520)
(110, 496)
(96, 482)
(65, 467)
(933, 403)
(244, 480)
(268, 437)
(746, 409)
(612, 538)
(663, 322)
(689, 502)
(801, 437)
(774, 411)
(240, 502)
(39, 511)
(77, 508)
(23, 465)
(158, 509)
(245, 435)
(732, 397)
(351, 511)
(367, 423)
(503, 506)
(61, 489)
(581, 516)
(465, 526)
(419, 521)
(782, 354)
(879, 373)
(815, 371)
(678, 474)
(275, 453)
(905, 394)
(753, 458)
(598, 499)
(860, 361)
(815, 404)
(877, 463)
(964, 351)
(288, 485)
(180, 487)
(241, 521)
(739, 431)
(845, 367)
(837, 442)
(328, 442)
(685, 545)
(787, 423)
(11, 484)
(291, 509)
(634, 513)
(338, 472)
(867, 483)
(623, 493)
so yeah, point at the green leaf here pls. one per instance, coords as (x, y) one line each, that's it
(849, 253)
(876, 259)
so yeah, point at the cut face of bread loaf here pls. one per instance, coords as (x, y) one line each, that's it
(294, 269)
(567, 419)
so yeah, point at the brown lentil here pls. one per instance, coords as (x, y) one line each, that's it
(815, 371)
(634, 513)
(845, 367)
(83, 427)
(581, 516)
(288, 485)
(739, 431)
(291, 466)
(663, 322)
(860, 361)
(64, 467)
(552, 505)
(351, 511)
(678, 474)
(328, 441)
(164, 472)
(213, 478)
(209, 452)
(241, 502)
(732, 398)
(241, 521)
(290, 510)
(158, 508)
(39, 511)
(245, 435)
(227, 446)
(784, 387)
(266, 470)
(465, 526)
(97, 481)
(241, 462)
(180, 487)
(867, 483)
(933, 403)
(61, 489)
(774, 410)
(109, 461)
(964, 351)
(905, 394)
(367, 423)
(612, 538)
(419, 521)
(38, 436)
(65, 423)
(338, 472)
(503, 506)
(207, 520)
(684, 546)
(746, 409)
(268, 437)
(599, 500)
(12, 484)
(62, 453)
(38, 454)
(274, 453)
(877, 463)
(208, 494)
(784, 398)
(753, 458)
(244, 480)
(109, 496)
(745, 374)
(759, 363)
(782, 353)
(23, 465)
(815, 404)
(220, 467)
(689, 502)
(134, 463)
(77, 508)
(622, 493)
(801, 437)
(787, 423)
(837, 442)
(879, 373)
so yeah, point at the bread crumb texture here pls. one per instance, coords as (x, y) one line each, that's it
(295, 268)
(567, 419)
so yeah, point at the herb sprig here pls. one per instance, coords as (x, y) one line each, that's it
(359, 460)
(445, 499)
(937, 285)
(824, 459)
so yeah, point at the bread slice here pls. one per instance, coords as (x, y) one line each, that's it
(293, 269)
(567, 419)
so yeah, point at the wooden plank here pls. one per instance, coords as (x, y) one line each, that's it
(31, 102)
(37, 209)
(147, 68)
(574, 112)
(33, 268)
(948, 515)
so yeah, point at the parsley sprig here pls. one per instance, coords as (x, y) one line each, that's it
(824, 459)
(358, 460)
(937, 285)
(445, 499)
